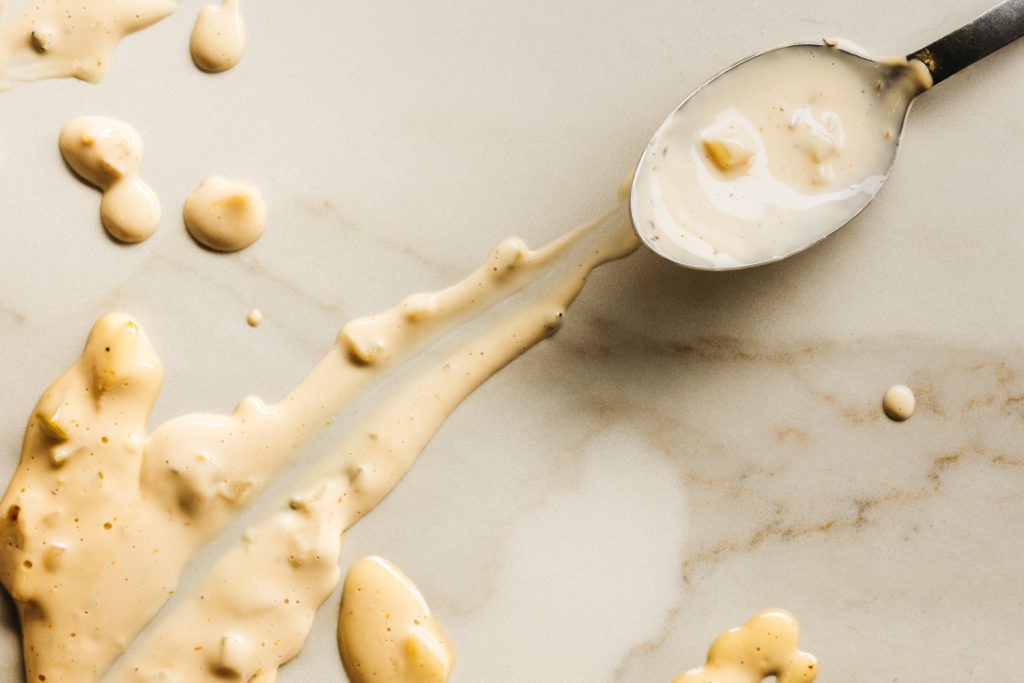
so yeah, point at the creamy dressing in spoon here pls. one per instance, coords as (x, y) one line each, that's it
(107, 154)
(386, 633)
(225, 215)
(767, 645)
(100, 519)
(218, 37)
(773, 155)
(63, 38)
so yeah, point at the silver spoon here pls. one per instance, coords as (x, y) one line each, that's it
(996, 28)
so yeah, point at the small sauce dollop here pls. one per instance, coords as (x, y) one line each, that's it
(386, 633)
(225, 215)
(107, 153)
(767, 645)
(218, 37)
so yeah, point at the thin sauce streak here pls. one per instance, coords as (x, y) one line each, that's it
(386, 633)
(107, 153)
(100, 518)
(767, 645)
(54, 39)
(218, 37)
(266, 589)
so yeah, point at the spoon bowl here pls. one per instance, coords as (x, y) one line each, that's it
(772, 155)
(780, 150)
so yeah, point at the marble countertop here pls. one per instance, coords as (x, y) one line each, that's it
(692, 447)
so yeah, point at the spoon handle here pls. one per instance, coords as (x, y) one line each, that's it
(997, 27)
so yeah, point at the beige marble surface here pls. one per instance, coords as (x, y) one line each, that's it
(691, 447)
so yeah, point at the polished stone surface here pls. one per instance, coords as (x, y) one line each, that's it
(691, 448)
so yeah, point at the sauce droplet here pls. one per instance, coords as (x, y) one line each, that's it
(218, 37)
(898, 403)
(254, 318)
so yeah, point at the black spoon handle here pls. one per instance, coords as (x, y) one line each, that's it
(997, 27)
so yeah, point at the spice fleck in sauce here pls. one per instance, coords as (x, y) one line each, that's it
(64, 38)
(218, 37)
(107, 154)
(386, 633)
(767, 645)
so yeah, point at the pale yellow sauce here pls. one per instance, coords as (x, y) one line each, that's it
(767, 645)
(100, 519)
(772, 156)
(225, 215)
(899, 403)
(386, 633)
(218, 37)
(266, 590)
(107, 154)
(64, 38)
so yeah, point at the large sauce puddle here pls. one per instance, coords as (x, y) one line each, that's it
(100, 519)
